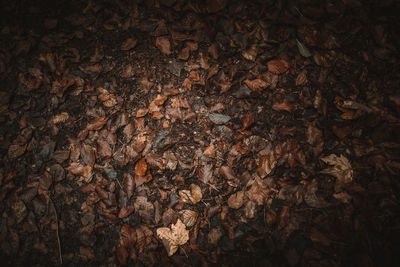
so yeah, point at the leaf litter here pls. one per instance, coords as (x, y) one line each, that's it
(187, 133)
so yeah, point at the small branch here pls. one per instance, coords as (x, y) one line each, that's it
(58, 236)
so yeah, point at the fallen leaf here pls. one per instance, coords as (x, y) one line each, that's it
(204, 173)
(174, 237)
(235, 201)
(189, 217)
(59, 118)
(278, 66)
(214, 236)
(141, 167)
(128, 44)
(341, 168)
(214, 6)
(163, 44)
(283, 106)
(257, 85)
(247, 120)
(227, 172)
(219, 118)
(96, 123)
(303, 49)
(258, 192)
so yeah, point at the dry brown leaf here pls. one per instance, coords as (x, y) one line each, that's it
(341, 168)
(194, 195)
(278, 66)
(285, 105)
(59, 118)
(257, 85)
(163, 44)
(127, 236)
(266, 164)
(126, 211)
(235, 201)
(227, 172)
(96, 123)
(247, 120)
(128, 44)
(258, 192)
(174, 237)
(204, 173)
(141, 112)
(209, 151)
(214, 235)
(189, 217)
(141, 167)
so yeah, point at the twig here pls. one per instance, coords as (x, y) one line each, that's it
(58, 236)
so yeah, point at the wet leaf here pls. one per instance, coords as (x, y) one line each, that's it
(173, 237)
(87, 155)
(277, 66)
(128, 185)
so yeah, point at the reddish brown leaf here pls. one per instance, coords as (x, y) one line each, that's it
(235, 201)
(96, 123)
(127, 236)
(258, 192)
(278, 66)
(128, 185)
(204, 173)
(129, 129)
(163, 44)
(139, 180)
(15, 151)
(247, 120)
(128, 44)
(61, 155)
(257, 85)
(87, 155)
(284, 106)
(227, 172)
(103, 148)
(141, 167)
(126, 211)
(122, 255)
(215, 5)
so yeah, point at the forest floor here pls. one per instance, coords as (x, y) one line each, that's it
(199, 133)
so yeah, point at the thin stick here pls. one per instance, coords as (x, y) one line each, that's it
(58, 236)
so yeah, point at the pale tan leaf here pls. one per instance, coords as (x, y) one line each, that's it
(341, 168)
(174, 237)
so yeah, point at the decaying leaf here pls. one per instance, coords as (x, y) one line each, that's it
(174, 237)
